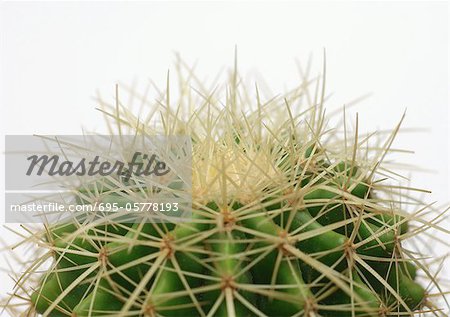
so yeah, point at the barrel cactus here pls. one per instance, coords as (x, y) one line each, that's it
(289, 218)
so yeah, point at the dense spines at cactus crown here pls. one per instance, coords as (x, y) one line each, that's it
(288, 219)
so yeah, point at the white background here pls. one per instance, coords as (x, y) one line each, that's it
(54, 56)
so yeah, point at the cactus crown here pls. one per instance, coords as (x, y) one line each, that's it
(289, 218)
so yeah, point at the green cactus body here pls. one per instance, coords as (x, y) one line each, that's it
(52, 286)
(285, 222)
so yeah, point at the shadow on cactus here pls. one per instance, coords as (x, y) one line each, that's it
(289, 218)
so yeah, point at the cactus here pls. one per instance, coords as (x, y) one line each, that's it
(288, 219)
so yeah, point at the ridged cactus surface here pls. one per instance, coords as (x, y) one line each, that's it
(290, 217)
